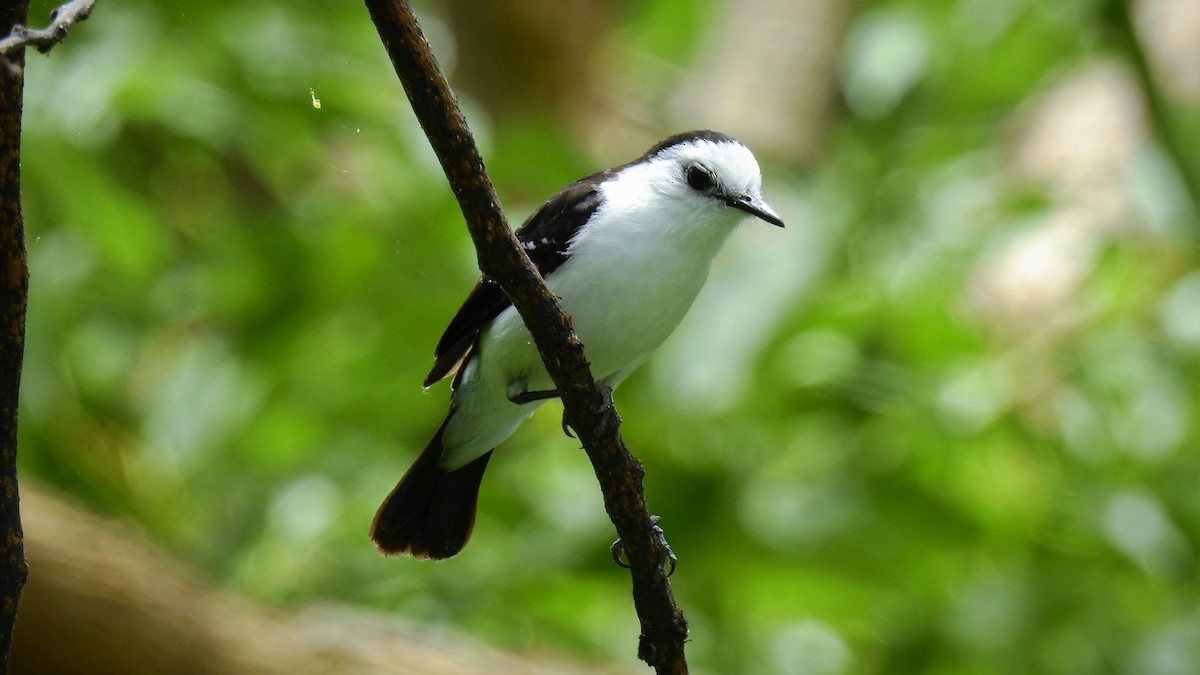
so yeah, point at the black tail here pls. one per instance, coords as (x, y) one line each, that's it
(431, 511)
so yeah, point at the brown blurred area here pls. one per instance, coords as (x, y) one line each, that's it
(101, 599)
(767, 72)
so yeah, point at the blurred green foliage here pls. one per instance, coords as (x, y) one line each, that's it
(865, 463)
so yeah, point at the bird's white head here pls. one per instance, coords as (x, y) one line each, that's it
(683, 197)
(708, 173)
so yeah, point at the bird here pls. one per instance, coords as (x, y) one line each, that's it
(626, 250)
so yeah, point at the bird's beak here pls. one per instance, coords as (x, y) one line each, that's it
(756, 207)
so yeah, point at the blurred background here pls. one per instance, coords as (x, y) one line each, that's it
(946, 422)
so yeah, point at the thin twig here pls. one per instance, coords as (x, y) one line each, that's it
(588, 407)
(44, 40)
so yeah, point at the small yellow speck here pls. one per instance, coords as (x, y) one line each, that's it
(316, 102)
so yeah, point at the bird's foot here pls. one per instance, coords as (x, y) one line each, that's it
(611, 416)
(667, 560)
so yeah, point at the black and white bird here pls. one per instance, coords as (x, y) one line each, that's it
(626, 250)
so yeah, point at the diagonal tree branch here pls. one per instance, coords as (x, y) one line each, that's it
(589, 407)
(44, 40)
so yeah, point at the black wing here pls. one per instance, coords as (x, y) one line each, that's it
(545, 236)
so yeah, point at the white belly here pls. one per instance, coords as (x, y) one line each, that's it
(622, 318)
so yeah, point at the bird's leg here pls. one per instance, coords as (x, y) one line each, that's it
(520, 398)
(541, 395)
(531, 396)
(667, 559)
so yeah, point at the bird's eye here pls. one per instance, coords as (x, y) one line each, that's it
(699, 178)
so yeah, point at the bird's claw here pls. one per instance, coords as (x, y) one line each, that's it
(618, 554)
(566, 427)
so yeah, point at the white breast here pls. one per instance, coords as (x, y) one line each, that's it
(632, 273)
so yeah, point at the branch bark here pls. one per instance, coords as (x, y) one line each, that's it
(14, 293)
(20, 36)
(588, 407)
